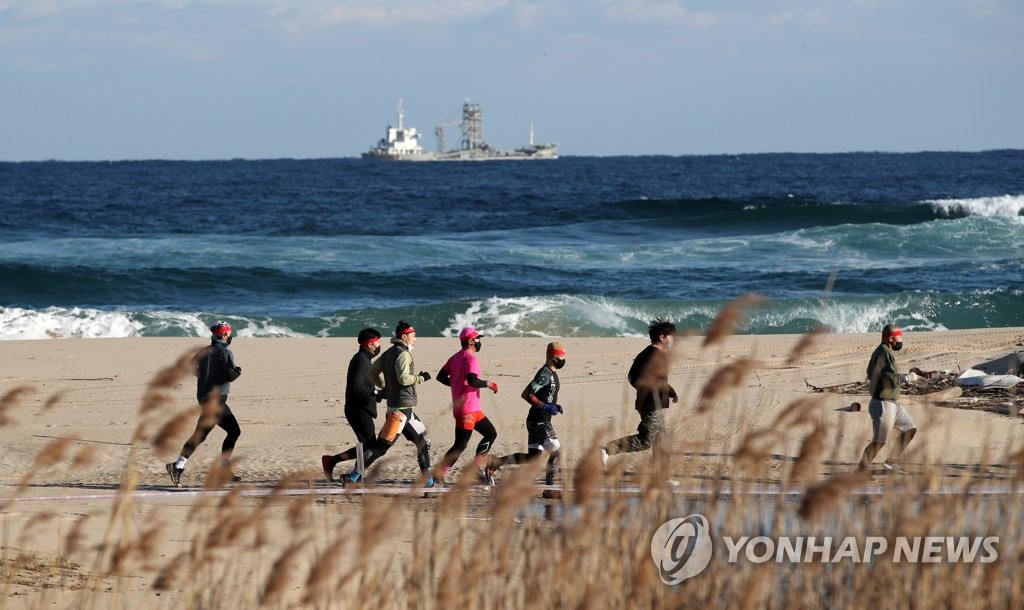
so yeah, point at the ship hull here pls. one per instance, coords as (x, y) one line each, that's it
(493, 154)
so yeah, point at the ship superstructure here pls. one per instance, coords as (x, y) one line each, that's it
(400, 144)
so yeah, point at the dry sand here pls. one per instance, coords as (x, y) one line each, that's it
(288, 402)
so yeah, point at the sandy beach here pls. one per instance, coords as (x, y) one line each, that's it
(289, 404)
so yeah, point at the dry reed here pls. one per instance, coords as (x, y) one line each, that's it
(725, 378)
(806, 342)
(812, 451)
(825, 496)
(730, 316)
(281, 574)
(11, 399)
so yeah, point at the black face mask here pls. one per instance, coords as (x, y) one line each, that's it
(478, 346)
(559, 363)
(897, 346)
(376, 350)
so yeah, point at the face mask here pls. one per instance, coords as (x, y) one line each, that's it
(559, 363)
(376, 350)
(478, 346)
(669, 341)
(897, 346)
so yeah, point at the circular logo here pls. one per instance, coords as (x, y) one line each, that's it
(681, 548)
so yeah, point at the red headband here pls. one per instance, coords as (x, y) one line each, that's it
(896, 333)
(556, 352)
(369, 341)
(407, 331)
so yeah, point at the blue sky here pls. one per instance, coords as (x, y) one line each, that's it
(127, 79)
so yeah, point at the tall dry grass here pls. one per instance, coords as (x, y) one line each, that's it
(505, 549)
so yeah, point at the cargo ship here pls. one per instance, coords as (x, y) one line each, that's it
(403, 143)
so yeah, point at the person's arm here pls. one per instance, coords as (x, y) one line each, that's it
(376, 374)
(638, 371)
(359, 376)
(473, 377)
(539, 381)
(444, 377)
(473, 380)
(890, 376)
(403, 366)
(228, 368)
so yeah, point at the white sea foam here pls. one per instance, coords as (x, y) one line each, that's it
(571, 315)
(1009, 206)
(86, 323)
(550, 316)
(59, 323)
(851, 316)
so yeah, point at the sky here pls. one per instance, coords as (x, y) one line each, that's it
(257, 79)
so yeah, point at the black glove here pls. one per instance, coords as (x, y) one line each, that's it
(238, 370)
(552, 409)
(378, 395)
(425, 375)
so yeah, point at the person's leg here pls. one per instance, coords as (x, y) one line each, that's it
(415, 431)
(451, 456)
(486, 429)
(514, 458)
(552, 470)
(207, 421)
(908, 429)
(882, 420)
(902, 441)
(869, 454)
(230, 425)
(638, 442)
(198, 436)
(362, 424)
(394, 424)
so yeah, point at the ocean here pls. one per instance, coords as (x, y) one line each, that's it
(579, 246)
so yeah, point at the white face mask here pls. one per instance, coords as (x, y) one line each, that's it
(669, 342)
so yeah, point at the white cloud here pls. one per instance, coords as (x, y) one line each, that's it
(657, 12)
(39, 9)
(301, 15)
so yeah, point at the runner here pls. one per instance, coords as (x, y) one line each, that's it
(216, 370)
(393, 371)
(884, 407)
(649, 375)
(361, 399)
(462, 374)
(542, 396)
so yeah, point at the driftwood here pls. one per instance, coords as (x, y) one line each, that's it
(1004, 401)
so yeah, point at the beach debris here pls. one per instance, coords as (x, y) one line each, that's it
(972, 389)
(973, 378)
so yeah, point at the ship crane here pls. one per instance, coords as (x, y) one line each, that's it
(439, 133)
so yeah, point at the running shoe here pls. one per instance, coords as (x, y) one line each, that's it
(175, 474)
(487, 475)
(353, 478)
(327, 461)
(551, 494)
(893, 468)
(429, 482)
(604, 457)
